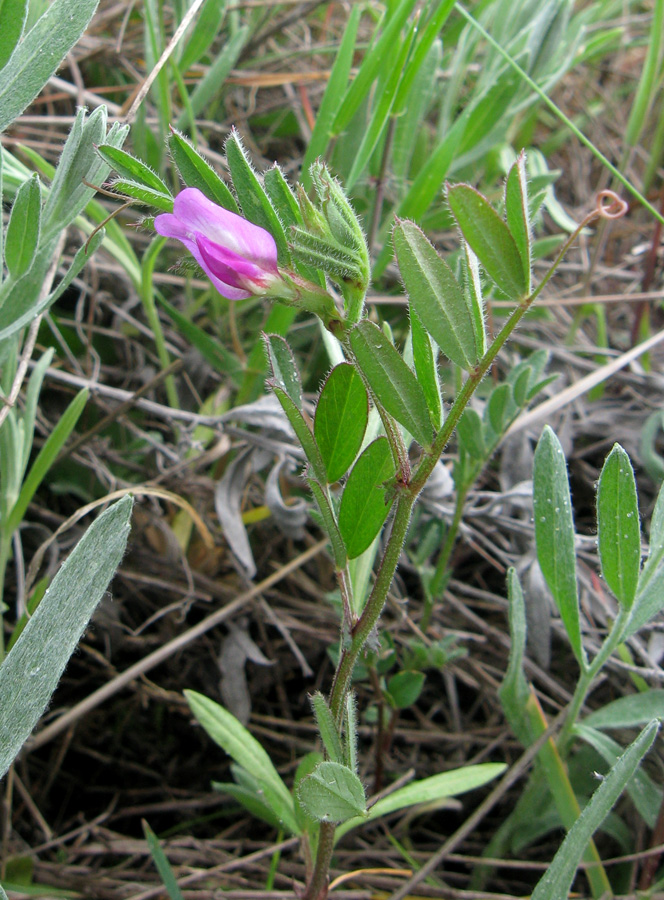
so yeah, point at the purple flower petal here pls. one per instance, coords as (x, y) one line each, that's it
(228, 265)
(229, 291)
(170, 226)
(199, 215)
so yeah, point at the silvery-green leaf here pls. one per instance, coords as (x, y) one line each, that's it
(30, 672)
(22, 237)
(40, 53)
(618, 527)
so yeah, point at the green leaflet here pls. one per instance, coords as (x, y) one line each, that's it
(554, 533)
(392, 381)
(618, 528)
(342, 413)
(435, 295)
(490, 239)
(332, 793)
(364, 506)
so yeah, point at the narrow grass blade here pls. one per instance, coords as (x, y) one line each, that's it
(409, 119)
(651, 72)
(208, 23)
(332, 98)
(431, 176)
(210, 349)
(615, 171)
(426, 36)
(208, 88)
(279, 320)
(377, 57)
(161, 862)
(382, 108)
(47, 456)
(557, 881)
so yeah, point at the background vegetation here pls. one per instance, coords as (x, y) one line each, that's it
(139, 378)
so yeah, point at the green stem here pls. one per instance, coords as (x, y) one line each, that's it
(374, 605)
(587, 678)
(147, 297)
(317, 887)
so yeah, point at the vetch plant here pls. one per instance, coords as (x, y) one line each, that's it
(379, 425)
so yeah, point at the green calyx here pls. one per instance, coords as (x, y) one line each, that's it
(305, 295)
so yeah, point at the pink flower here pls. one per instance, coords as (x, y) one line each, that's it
(239, 258)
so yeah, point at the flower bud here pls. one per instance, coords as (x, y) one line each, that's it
(332, 240)
(342, 220)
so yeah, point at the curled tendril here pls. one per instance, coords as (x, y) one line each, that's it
(610, 205)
